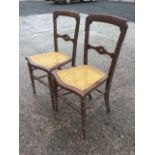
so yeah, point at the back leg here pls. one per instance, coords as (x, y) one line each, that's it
(32, 78)
(106, 99)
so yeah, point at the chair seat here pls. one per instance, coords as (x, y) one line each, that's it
(49, 60)
(81, 78)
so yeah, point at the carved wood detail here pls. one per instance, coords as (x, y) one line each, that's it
(65, 37)
(100, 50)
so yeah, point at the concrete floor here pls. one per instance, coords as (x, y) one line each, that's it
(123, 9)
(44, 132)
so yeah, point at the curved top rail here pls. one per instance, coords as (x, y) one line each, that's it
(67, 13)
(114, 20)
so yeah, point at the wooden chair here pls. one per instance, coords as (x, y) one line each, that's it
(83, 79)
(49, 61)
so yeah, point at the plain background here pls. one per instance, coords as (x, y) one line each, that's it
(145, 77)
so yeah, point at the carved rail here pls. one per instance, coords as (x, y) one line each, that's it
(65, 37)
(100, 50)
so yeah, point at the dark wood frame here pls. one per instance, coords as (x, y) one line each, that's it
(32, 66)
(116, 21)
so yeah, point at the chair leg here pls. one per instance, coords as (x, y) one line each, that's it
(106, 98)
(55, 95)
(51, 88)
(32, 78)
(90, 97)
(83, 118)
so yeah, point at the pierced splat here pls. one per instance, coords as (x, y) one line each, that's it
(100, 50)
(65, 37)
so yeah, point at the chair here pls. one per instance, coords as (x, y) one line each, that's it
(49, 61)
(84, 79)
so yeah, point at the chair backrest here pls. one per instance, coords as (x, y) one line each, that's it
(66, 37)
(116, 21)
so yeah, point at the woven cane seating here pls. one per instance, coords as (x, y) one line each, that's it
(49, 60)
(81, 77)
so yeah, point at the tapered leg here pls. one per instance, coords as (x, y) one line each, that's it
(32, 78)
(83, 117)
(106, 98)
(51, 88)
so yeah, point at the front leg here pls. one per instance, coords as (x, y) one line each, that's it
(83, 117)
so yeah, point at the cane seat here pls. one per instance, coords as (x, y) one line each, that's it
(49, 60)
(81, 77)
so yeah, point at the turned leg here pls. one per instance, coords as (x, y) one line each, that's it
(51, 88)
(55, 95)
(83, 117)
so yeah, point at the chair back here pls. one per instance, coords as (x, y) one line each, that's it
(66, 37)
(113, 20)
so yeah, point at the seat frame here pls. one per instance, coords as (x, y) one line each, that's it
(32, 66)
(113, 20)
